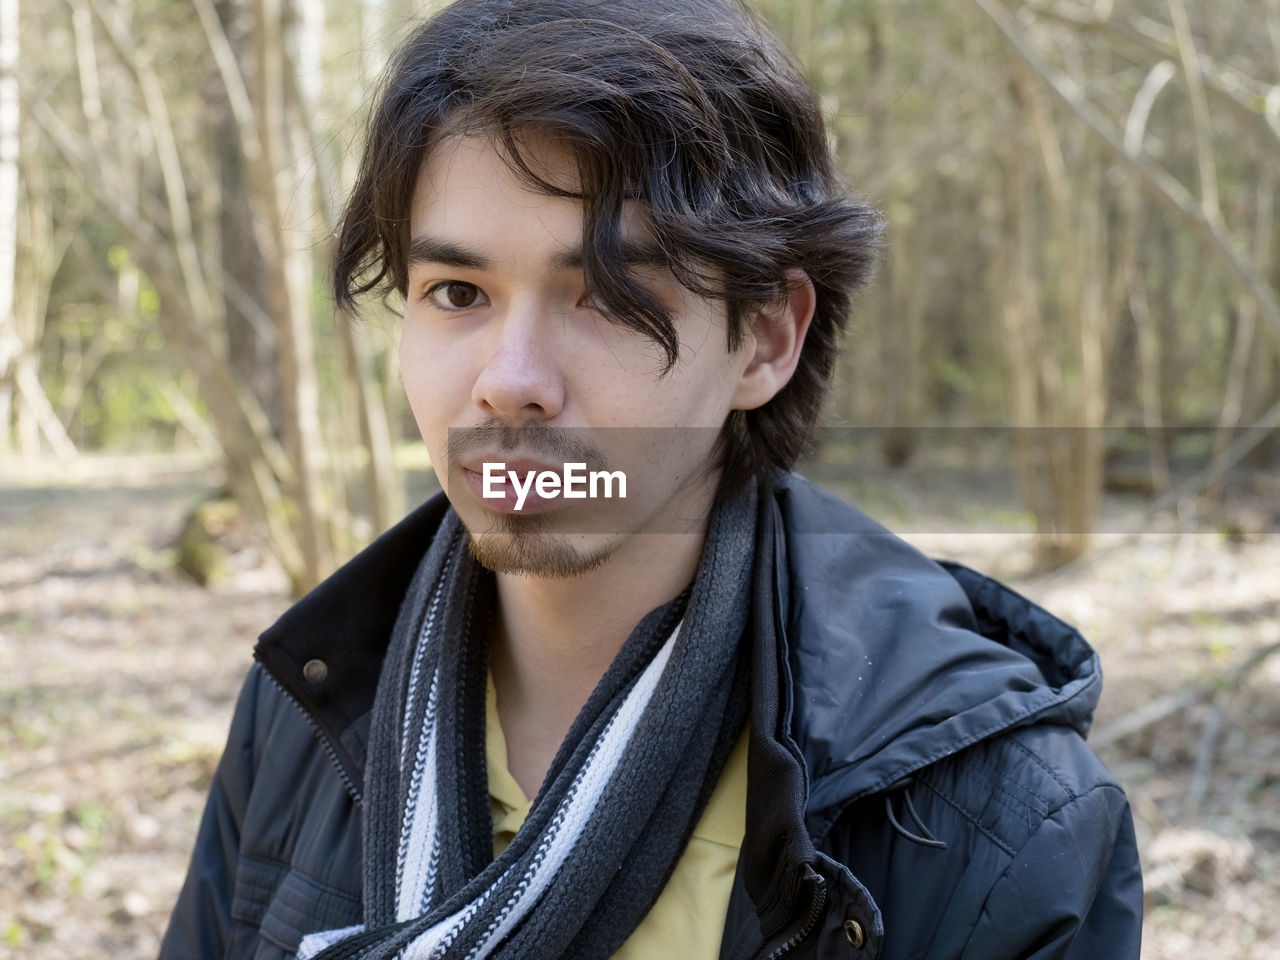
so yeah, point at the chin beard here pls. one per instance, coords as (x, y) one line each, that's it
(517, 545)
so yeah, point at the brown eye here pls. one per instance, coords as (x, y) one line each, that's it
(461, 294)
(455, 295)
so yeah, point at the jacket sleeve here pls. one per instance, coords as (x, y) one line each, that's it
(1074, 891)
(200, 926)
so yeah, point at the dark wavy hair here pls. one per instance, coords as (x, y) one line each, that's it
(688, 106)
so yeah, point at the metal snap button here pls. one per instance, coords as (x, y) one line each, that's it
(315, 671)
(853, 933)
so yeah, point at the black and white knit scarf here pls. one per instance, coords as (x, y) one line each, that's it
(619, 801)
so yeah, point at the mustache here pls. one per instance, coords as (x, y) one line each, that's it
(556, 443)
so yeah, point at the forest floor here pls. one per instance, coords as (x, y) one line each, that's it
(118, 676)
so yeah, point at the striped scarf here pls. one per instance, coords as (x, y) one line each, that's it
(618, 804)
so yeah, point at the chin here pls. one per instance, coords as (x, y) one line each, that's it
(537, 553)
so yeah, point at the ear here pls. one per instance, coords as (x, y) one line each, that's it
(774, 341)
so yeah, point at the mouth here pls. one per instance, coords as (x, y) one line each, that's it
(506, 484)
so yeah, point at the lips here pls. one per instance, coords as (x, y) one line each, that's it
(473, 473)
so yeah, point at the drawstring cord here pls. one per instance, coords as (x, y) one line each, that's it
(928, 840)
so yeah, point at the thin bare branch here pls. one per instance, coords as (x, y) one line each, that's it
(146, 237)
(1252, 100)
(54, 432)
(1168, 705)
(1135, 128)
(171, 169)
(1202, 774)
(1199, 108)
(232, 81)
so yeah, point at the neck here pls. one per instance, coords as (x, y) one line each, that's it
(553, 639)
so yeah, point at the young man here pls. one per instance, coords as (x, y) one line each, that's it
(724, 715)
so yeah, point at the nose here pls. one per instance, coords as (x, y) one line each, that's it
(521, 380)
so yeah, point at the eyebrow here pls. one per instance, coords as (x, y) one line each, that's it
(425, 249)
(632, 255)
(429, 249)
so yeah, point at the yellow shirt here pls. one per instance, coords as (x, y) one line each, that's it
(688, 917)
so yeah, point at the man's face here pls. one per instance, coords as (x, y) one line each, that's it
(504, 359)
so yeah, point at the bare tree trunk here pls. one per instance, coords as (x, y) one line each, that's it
(1088, 404)
(1150, 372)
(1020, 322)
(897, 440)
(22, 291)
(41, 253)
(250, 342)
(10, 118)
(289, 282)
(383, 489)
(381, 478)
(1061, 463)
(1132, 286)
(1237, 373)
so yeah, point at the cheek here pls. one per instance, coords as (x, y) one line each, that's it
(423, 375)
(431, 361)
(411, 344)
(696, 396)
(406, 354)
(432, 381)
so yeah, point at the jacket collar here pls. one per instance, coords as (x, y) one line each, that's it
(883, 662)
(874, 633)
(342, 629)
(346, 623)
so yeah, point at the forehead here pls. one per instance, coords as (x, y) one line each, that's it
(467, 186)
(467, 191)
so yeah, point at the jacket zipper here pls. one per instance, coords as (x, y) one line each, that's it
(330, 752)
(819, 902)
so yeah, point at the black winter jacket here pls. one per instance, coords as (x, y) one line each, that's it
(918, 782)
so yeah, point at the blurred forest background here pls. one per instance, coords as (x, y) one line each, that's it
(1068, 371)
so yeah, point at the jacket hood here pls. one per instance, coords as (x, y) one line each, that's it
(897, 661)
